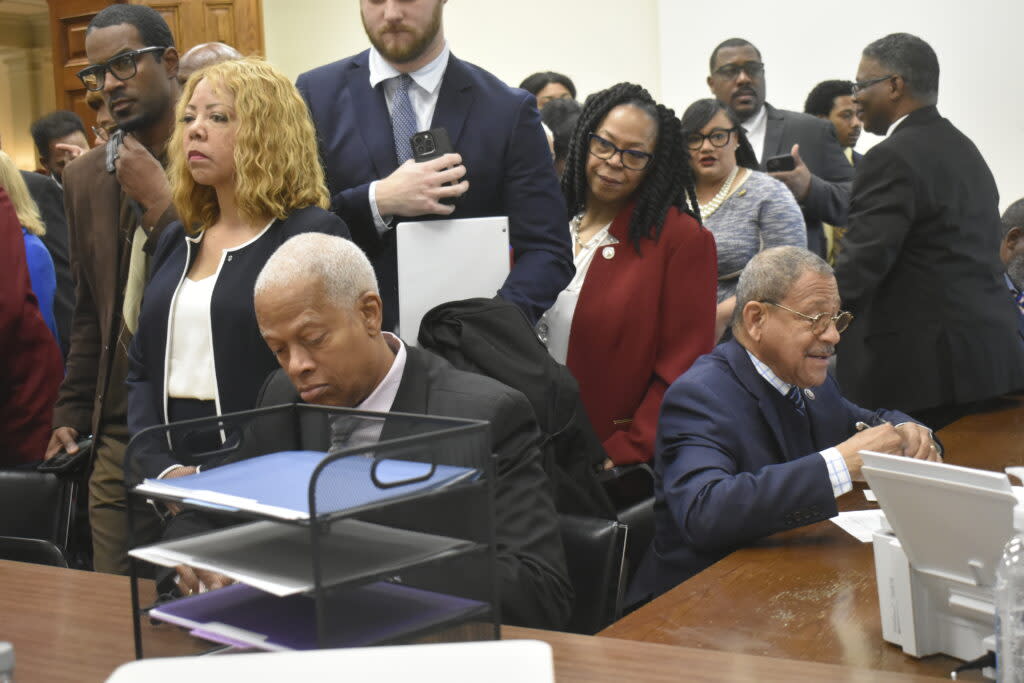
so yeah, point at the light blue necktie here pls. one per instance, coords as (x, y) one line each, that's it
(403, 119)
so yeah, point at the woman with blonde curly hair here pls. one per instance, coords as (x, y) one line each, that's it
(245, 177)
(41, 272)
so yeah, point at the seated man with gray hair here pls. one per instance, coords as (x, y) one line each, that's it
(318, 309)
(755, 438)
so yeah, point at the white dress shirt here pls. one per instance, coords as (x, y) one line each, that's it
(755, 128)
(190, 371)
(554, 326)
(894, 124)
(380, 400)
(423, 93)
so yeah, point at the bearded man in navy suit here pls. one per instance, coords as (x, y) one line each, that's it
(755, 437)
(501, 166)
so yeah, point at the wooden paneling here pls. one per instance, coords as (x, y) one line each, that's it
(236, 22)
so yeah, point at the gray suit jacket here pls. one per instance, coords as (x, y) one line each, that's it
(832, 175)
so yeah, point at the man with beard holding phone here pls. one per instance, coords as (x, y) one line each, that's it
(117, 200)
(501, 165)
(821, 176)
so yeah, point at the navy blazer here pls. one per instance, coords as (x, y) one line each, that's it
(508, 164)
(734, 462)
(241, 358)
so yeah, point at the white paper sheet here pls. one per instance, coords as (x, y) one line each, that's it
(860, 524)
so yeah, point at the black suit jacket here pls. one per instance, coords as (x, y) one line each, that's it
(535, 589)
(920, 269)
(829, 196)
(50, 199)
(497, 131)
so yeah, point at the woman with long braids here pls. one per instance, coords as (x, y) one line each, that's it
(746, 210)
(641, 307)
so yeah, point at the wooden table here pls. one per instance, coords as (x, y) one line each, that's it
(75, 626)
(810, 593)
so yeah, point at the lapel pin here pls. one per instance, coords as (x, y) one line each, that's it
(809, 394)
(608, 252)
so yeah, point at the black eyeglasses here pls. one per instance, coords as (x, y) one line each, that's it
(731, 71)
(820, 322)
(864, 85)
(124, 66)
(631, 158)
(718, 137)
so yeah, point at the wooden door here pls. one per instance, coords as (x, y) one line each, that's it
(236, 22)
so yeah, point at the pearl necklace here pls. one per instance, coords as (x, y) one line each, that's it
(723, 194)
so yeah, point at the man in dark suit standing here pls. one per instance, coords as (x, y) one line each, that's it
(919, 264)
(833, 102)
(821, 179)
(410, 80)
(755, 437)
(1011, 253)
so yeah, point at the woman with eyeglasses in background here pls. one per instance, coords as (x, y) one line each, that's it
(746, 210)
(640, 308)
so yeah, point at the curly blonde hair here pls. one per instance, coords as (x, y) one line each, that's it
(277, 164)
(17, 190)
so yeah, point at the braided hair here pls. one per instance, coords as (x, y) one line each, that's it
(669, 180)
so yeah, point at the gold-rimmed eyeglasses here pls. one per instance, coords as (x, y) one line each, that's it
(820, 323)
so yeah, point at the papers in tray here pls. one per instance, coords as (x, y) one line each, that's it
(277, 485)
(861, 524)
(276, 557)
(376, 613)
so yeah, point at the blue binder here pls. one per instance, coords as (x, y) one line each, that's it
(277, 484)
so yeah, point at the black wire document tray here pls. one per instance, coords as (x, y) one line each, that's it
(362, 517)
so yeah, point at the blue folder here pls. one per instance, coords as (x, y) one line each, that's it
(365, 615)
(277, 484)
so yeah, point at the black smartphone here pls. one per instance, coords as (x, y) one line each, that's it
(64, 463)
(784, 162)
(431, 144)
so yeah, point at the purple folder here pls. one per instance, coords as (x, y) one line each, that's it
(375, 613)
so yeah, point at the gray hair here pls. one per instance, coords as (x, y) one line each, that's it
(335, 263)
(771, 274)
(911, 58)
(1013, 217)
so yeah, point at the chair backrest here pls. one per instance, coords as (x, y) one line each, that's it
(34, 550)
(639, 517)
(36, 505)
(595, 552)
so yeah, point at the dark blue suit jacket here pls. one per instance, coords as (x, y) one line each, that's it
(497, 131)
(734, 462)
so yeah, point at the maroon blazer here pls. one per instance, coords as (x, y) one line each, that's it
(32, 363)
(640, 322)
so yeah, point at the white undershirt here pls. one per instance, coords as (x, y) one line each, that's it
(190, 373)
(894, 124)
(554, 326)
(756, 127)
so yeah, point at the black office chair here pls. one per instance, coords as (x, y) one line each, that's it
(594, 551)
(34, 505)
(34, 550)
(631, 489)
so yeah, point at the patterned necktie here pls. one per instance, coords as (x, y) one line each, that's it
(797, 398)
(1020, 302)
(403, 119)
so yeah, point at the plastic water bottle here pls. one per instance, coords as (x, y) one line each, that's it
(1009, 599)
(6, 662)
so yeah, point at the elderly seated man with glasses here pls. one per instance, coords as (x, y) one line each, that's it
(755, 438)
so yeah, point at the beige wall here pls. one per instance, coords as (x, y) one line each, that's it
(26, 83)
(585, 39)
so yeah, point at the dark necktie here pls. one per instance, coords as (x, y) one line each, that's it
(403, 119)
(797, 398)
(1020, 302)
